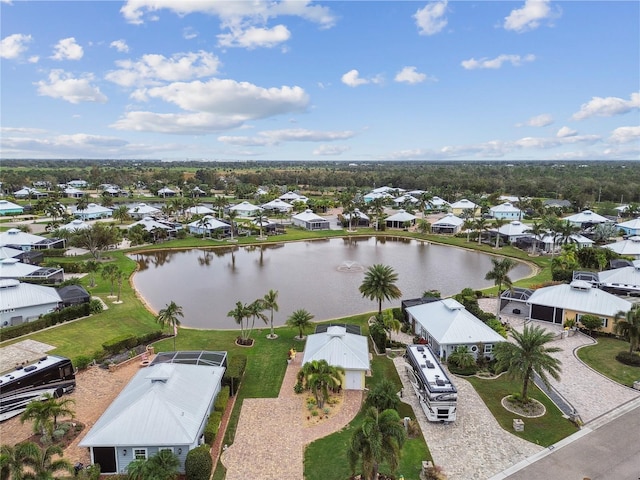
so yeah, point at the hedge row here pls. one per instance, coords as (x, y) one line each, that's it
(127, 342)
(83, 361)
(213, 425)
(198, 465)
(48, 320)
(234, 372)
(222, 400)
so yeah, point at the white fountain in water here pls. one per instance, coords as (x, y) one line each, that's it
(350, 266)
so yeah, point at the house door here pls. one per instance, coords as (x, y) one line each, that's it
(354, 380)
(106, 458)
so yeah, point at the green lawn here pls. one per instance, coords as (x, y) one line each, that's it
(327, 457)
(546, 430)
(602, 358)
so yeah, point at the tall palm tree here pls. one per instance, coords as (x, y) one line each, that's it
(82, 203)
(380, 284)
(379, 439)
(480, 225)
(220, 202)
(231, 215)
(319, 376)
(528, 355)
(497, 224)
(300, 319)
(468, 225)
(566, 231)
(170, 315)
(255, 310)
(377, 207)
(627, 324)
(110, 272)
(270, 302)
(240, 314)
(552, 225)
(500, 276)
(537, 230)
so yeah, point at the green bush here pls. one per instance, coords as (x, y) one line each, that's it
(222, 399)
(95, 306)
(379, 336)
(213, 425)
(198, 465)
(48, 320)
(120, 344)
(234, 372)
(628, 358)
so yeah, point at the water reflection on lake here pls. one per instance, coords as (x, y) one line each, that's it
(321, 276)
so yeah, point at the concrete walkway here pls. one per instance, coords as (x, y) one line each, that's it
(271, 435)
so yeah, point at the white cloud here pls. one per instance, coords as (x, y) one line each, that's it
(529, 16)
(189, 33)
(14, 45)
(33, 59)
(326, 150)
(607, 107)
(410, 75)
(120, 45)
(625, 134)
(494, 63)
(275, 137)
(566, 132)
(67, 49)
(152, 69)
(541, 120)
(217, 105)
(431, 19)
(253, 37)
(74, 90)
(352, 78)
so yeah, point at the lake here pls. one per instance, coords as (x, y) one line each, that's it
(321, 276)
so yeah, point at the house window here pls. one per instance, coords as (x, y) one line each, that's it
(140, 453)
(488, 348)
(605, 321)
(165, 448)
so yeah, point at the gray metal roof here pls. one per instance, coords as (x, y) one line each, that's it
(13, 236)
(16, 294)
(338, 348)
(625, 276)
(451, 324)
(581, 297)
(401, 216)
(163, 404)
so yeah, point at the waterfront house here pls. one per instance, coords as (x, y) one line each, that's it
(400, 219)
(310, 221)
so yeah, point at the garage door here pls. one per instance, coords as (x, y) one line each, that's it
(354, 380)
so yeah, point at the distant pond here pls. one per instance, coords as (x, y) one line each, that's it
(321, 276)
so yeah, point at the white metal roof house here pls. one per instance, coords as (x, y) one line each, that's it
(405, 199)
(505, 211)
(78, 183)
(199, 210)
(464, 205)
(310, 221)
(24, 302)
(278, 205)
(143, 210)
(586, 219)
(246, 209)
(548, 242)
(75, 225)
(10, 208)
(149, 225)
(165, 406)
(8, 252)
(513, 231)
(166, 192)
(341, 349)
(21, 240)
(93, 212)
(437, 203)
(629, 247)
(630, 227)
(207, 225)
(446, 324)
(72, 192)
(14, 268)
(293, 197)
(399, 219)
(371, 196)
(558, 303)
(624, 279)
(28, 192)
(361, 219)
(447, 224)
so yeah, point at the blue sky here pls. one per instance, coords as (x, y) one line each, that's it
(300, 80)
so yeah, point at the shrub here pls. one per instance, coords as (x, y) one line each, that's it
(120, 344)
(628, 358)
(235, 371)
(222, 399)
(379, 336)
(95, 306)
(383, 395)
(298, 388)
(198, 464)
(213, 425)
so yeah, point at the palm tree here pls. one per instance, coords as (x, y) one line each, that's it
(528, 355)
(319, 376)
(537, 230)
(40, 414)
(170, 316)
(110, 272)
(500, 275)
(379, 284)
(468, 225)
(163, 465)
(270, 302)
(627, 324)
(377, 208)
(300, 319)
(379, 439)
(566, 231)
(231, 215)
(255, 310)
(121, 214)
(82, 203)
(240, 314)
(92, 266)
(552, 225)
(220, 202)
(480, 225)
(497, 224)
(42, 462)
(13, 459)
